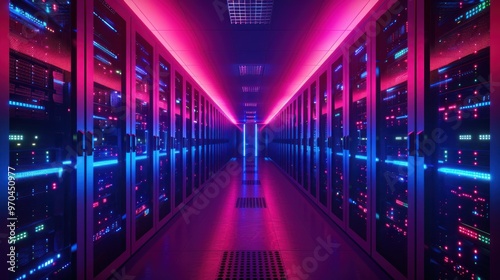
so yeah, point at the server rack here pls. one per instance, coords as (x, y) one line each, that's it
(411, 161)
(94, 161)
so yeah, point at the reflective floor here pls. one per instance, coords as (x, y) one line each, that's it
(225, 217)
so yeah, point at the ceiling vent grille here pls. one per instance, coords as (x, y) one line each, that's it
(250, 11)
(251, 70)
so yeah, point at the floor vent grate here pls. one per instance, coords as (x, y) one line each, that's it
(251, 182)
(261, 265)
(251, 202)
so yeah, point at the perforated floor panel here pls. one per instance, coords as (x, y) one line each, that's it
(251, 202)
(251, 265)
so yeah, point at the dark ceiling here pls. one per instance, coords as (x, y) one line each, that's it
(301, 35)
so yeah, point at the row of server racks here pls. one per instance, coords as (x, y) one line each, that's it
(108, 137)
(395, 139)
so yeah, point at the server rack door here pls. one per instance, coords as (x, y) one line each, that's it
(313, 169)
(294, 140)
(178, 138)
(391, 189)
(322, 140)
(203, 140)
(337, 151)
(456, 141)
(357, 139)
(289, 120)
(165, 145)
(196, 137)
(142, 128)
(108, 118)
(300, 151)
(305, 145)
(42, 200)
(207, 142)
(210, 139)
(188, 140)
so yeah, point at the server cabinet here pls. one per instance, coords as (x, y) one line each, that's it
(306, 149)
(189, 140)
(178, 139)
(300, 135)
(204, 139)
(393, 235)
(295, 143)
(313, 156)
(142, 141)
(165, 143)
(197, 142)
(322, 141)
(455, 141)
(109, 138)
(357, 141)
(337, 140)
(43, 167)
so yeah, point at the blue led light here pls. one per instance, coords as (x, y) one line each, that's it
(442, 82)
(140, 71)
(465, 173)
(480, 104)
(358, 50)
(397, 162)
(441, 70)
(26, 105)
(339, 154)
(256, 146)
(100, 118)
(58, 82)
(363, 75)
(361, 157)
(105, 22)
(402, 117)
(163, 66)
(39, 172)
(102, 59)
(105, 162)
(102, 48)
(401, 53)
(338, 68)
(244, 140)
(141, 157)
(23, 14)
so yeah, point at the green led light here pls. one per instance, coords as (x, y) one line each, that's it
(465, 137)
(16, 137)
(484, 137)
(39, 228)
(476, 10)
(21, 236)
(401, 53)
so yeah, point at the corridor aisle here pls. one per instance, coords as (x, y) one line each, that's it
(228, 219)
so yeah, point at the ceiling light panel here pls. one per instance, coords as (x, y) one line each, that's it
(252, 89)
(250, 11)
(250, 104)
(251, 70)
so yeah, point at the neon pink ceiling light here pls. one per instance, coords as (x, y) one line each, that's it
(167, 23)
